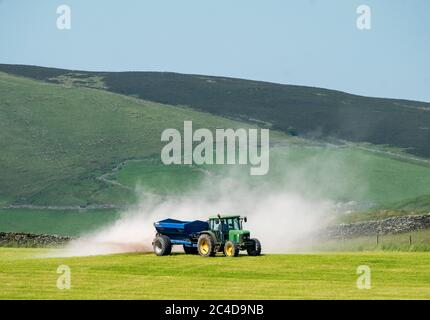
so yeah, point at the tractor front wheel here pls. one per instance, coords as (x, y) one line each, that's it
(162, 245)
(206, 246)
(231, 249)
(255, 248)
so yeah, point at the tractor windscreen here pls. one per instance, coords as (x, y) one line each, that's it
(233, 224)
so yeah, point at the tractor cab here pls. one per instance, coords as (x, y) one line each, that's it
(229, 228)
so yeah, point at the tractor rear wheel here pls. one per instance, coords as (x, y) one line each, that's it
(255, 248)
(206, 246)
(190, 250)
(231, 249)
(162, 245)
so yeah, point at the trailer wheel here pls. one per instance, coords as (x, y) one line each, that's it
(190, 250)
(231, 249)
(206, 246)
(162, 245)
(255, 248)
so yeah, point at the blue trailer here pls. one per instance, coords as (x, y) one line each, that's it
(175, 232)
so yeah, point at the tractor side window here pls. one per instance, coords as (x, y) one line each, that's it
(236, 224)
(223, 226)
(216, 225)
(231, 224)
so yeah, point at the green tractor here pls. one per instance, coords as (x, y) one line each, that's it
(225, 234)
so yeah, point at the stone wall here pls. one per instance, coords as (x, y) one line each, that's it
(11, 239)
(386, 226)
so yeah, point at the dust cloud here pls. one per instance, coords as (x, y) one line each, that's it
(280, 219)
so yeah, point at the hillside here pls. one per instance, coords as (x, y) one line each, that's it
(56, 142)
(310, 112)
(73, 153)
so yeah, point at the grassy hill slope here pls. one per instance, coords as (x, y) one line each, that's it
(299, 110)
(61, 144)
(56, 141)
(71, 223)
(342, 174)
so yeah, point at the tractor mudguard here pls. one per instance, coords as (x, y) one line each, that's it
(212, 234)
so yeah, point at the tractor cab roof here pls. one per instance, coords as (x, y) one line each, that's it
(224, 216)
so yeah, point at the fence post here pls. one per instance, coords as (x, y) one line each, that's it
(410, 240)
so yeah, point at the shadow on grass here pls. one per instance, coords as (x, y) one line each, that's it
(218, 255)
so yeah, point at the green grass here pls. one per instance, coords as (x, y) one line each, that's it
(411, 206)
(57, 140)
(347, 174)
(156, 177)
(61, 222)
(340, 174)
(145, 276)
(420, 204)
(415, 241)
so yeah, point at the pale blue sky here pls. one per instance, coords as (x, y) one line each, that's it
(305, 42)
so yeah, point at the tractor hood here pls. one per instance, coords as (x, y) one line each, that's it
(238, 235)
(241, 232)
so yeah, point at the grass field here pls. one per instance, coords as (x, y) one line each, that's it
(154, 176)
(57, 140)
(145, 276)
(408, 241)
(348, 174)
(62, 222)
(336, 173)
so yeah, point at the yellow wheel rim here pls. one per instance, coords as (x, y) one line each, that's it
(204, 247)
(229, 250)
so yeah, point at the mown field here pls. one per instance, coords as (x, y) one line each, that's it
(23, 275)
